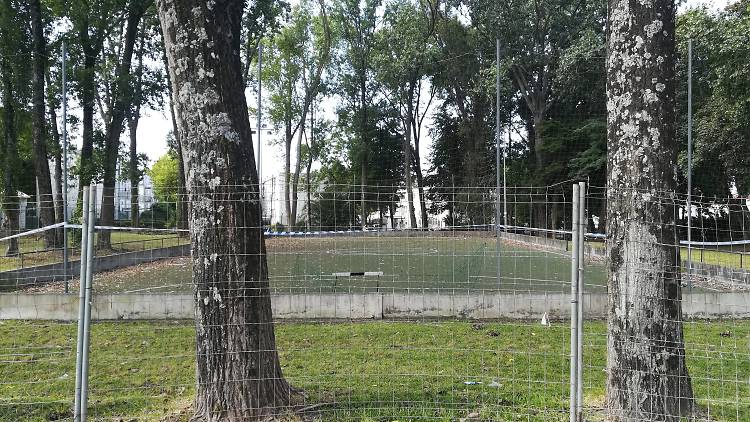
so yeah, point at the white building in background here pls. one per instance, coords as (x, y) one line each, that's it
(146, 198)
(274, 208)
(23, 208)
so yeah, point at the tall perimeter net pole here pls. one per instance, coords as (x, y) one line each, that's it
(260, 145)
(64, 181)
(690, 164)
(497, 160)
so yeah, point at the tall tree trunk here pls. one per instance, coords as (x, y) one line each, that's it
(363, 133)
(420, 188)
(647, 378)
(297, 171)
(122, 101)
(10, 197)
(87, 82)
(308, 187)
(135, 115)
(41, 165)
(407, 150)
(415, 123)
(539, 158)
(287, 175)
(311, 148)
(237, 366)
(58, 187)
(182, 199)
(133, 174)
(392, 214)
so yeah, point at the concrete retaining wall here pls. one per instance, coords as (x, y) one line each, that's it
(54, 272)
(475, 305)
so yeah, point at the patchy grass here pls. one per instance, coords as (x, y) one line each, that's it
(306, 265)
(34, 253)
(372, 371)
(725, 256)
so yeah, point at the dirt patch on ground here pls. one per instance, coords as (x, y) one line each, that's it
(120, 280)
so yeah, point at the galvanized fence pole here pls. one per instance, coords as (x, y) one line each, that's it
(581, 265)
(87, 313)
(497, 163)
(81, 305)
(574, 255)
(64, 181)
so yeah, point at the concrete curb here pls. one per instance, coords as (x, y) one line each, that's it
(348, 306)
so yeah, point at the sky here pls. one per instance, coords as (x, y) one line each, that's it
(154, 125)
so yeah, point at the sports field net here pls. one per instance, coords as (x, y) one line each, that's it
(376, 319)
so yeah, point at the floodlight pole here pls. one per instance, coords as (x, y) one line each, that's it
(497, 159)
(64, 181)
(690, 164)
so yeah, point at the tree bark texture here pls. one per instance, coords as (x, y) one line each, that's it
(647, 378)
(41, 164)
(238, 373)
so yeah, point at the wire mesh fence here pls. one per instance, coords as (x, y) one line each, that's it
(375, 320)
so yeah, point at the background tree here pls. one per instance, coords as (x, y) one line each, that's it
(52, 96)
(464, 119)
(357, 23)
(721, 132)
(403, 56)
(647, 378)
(300, 55)
(91, 23)
(122, 99)
(264, 19)
(165, 176)
(41, 163)
(235, 331)
(14, 44)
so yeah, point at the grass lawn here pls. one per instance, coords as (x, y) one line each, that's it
(374, 371)
(725, 256)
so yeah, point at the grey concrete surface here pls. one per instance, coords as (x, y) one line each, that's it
(344, 306)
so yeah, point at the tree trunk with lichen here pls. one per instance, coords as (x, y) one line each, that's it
(238, 373)
(647, 378)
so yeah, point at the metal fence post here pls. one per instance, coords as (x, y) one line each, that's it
(581, 264)
(574, 255)
(81, 305)
(87, 309)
